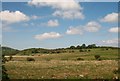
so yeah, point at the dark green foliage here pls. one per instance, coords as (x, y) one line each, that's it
(4, 74)
(107, 49)
(81, 50)
(80, 59)
(4, 59)
(72, 47)
(4, 71)
(92, 46)
(34, 51)
(89, 50)
(78, 47)
(83, 46)
(9, 51)
(97, 57)
(30, 59)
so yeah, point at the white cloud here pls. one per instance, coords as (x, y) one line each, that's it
(69, 14)
(114, 30)
(74, 30)
(47, 36)
(13, 17)
(34, 17)
(53, 23)
(92, 26)
(113, 17)
(113, 42)
(57, 4)
(63, 8)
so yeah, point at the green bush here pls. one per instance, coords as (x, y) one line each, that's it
(97, 57)
(30, 59)
(80, 58)
(107, 49)
(81, 50)
(89, 50)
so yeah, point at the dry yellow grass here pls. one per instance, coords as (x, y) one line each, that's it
(62, 69)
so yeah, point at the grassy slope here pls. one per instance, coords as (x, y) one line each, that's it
(65, 65)
(9, 51)
(111, 54)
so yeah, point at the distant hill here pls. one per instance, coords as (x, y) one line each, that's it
(30, 51)
(9, 51)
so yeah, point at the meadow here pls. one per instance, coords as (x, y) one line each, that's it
(69, 65)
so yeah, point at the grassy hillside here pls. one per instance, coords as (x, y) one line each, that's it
(74, 54)
(9, 51)
(64, 64)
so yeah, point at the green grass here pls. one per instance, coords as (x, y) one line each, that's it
(65, 65)
(111, 54)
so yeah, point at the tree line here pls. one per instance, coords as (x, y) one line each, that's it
(83, 46)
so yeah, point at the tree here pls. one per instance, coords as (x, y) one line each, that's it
(83, 46)
(34, 50)
(72, 47)
(78, 47)
(91, 46)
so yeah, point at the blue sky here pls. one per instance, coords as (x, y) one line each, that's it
(52, 26)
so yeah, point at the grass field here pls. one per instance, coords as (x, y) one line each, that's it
(65, 65)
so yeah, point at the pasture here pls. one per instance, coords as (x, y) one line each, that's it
(65, 65)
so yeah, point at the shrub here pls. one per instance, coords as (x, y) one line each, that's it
(73, 51)
(10, 57)
(80, 59)
(89, 50)
(81, 50)
(116, 71)
(4, 71)
(58, 51)
(107, 49)
(97, 57)
(30, 59)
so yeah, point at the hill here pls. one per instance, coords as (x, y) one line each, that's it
(9, 51)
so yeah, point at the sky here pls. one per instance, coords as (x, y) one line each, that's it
(59, 24)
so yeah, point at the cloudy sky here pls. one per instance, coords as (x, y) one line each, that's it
(59, 24)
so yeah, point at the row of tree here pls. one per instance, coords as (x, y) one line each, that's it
(83, 46)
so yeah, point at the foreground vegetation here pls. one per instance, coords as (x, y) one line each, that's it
(80, 62)
(56, 69)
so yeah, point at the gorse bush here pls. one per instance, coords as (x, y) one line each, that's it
(97, 57)
(30, 59)
(81, 50)
(80, 58)
(89, 50)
